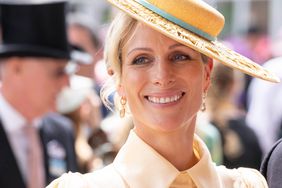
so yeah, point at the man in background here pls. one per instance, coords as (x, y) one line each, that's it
(34, 55)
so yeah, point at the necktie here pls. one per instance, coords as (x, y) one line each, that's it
(35, 173)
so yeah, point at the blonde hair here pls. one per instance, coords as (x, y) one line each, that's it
(121, 29)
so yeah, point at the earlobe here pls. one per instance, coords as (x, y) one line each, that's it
(120, 90)
(110, 71)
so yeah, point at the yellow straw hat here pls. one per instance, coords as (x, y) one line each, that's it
(194, 24)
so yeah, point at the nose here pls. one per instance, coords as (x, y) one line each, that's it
(163, 74)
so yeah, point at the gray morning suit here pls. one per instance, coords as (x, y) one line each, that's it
(54, 134)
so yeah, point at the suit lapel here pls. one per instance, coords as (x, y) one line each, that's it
(10, 175)
(45, 155)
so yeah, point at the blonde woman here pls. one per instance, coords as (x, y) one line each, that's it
(159, 54)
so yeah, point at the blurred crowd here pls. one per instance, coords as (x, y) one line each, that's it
(241, 121)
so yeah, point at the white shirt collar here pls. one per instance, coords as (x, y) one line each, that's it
(12, 120)
(154, 167)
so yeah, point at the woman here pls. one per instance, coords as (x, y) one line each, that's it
(163, 82)
(239, 142)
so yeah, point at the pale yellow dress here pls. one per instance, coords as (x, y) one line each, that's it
(137, 165)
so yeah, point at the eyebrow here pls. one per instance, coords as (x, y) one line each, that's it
(143, 49)
(150, 50)
(176, 45)
(180, 45)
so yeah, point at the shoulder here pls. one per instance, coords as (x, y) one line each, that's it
(69, 180)
(106, 177)
(271, 165)
(241, 178)
(55, 124)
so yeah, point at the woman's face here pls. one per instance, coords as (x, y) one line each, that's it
(162, 80)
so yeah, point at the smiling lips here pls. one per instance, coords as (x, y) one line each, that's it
(165, 100)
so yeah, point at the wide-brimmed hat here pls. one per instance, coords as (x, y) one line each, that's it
(34, 28)
(195, 24)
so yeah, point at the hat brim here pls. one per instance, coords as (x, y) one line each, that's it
(213, 49)
(31, 51)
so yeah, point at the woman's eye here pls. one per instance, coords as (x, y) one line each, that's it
(140, 60)
(180, 57)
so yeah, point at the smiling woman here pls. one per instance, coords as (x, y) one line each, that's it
(160, 58)
(160, 78)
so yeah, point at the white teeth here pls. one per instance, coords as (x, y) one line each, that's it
(167, 100)
(164, 100)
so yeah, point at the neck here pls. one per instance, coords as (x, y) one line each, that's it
(18, 104)
(176, 146)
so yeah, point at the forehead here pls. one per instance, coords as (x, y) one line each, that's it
(144, 33)
(144, 36)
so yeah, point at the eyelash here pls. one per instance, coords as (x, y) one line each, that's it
(137, 60)
(141, 60)
(175, 57)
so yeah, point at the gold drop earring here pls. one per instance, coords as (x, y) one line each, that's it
(123, 103)
(204, 107)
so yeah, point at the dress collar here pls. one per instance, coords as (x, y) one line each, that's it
(141, 166)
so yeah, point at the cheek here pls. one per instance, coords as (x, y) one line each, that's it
(194, 76)
(196, 83)
(33, 84)
(39, 90)
(43, 85)
(132, 81)
(44, 89)
(200, 78)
